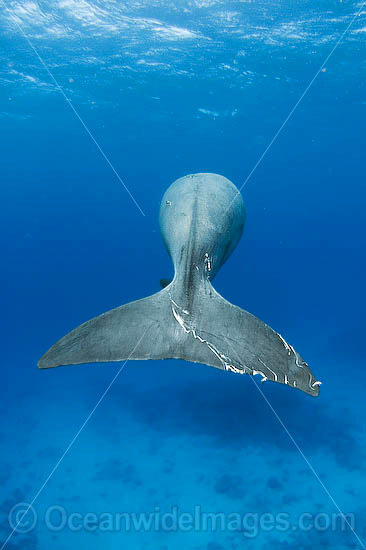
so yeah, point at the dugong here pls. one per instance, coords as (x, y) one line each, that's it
(201, 221)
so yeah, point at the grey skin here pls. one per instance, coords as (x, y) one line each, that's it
(201, 221)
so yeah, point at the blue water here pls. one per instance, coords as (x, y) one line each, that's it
(169, 89)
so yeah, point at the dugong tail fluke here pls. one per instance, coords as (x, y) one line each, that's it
(201, 221)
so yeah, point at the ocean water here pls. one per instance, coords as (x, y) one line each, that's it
(103, 105)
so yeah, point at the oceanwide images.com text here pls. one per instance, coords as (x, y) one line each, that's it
(24, 518)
